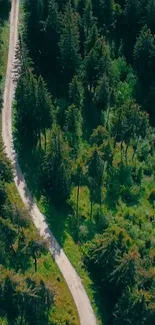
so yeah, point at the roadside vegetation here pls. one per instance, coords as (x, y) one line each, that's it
(84, 133)
(32, 289)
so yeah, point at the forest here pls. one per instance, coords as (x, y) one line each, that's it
(84, 121)
(27, 295)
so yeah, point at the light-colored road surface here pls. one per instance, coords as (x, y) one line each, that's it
(72, 279)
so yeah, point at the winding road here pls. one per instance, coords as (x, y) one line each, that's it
(86, 314)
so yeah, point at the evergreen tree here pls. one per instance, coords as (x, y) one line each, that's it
(76, 93)
(73, 126)
(91, 39)
(26, 123)
(49, 44)
(95, 177)
(36, 14)
(104, 10)
(56, 169)
(88, 17)
(101, 95)
(69, 46)
(97, 62)
(98, 136)
(144, 57)
(44, 109)
(133, 13)
(135, 305)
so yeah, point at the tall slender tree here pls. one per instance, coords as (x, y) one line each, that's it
(69, 45)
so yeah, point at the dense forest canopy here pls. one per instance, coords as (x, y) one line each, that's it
(84, 125)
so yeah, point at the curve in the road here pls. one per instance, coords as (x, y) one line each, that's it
(72, 279)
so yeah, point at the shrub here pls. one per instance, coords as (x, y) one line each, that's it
(151, 196)
(130, 194)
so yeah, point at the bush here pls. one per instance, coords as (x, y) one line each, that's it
(151, 196)
(130, 194)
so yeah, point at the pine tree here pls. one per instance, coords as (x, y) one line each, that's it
(133, 15)
(97, 62)
(144, 59)
(150, 15)
(88, 17)
(44, 109)
(91, 39)
(102, 95)
(56, 168)
(76, 93)
(73, 127)
(26, 123)
(49, 44)
(95, 177)
(69, 46)
(36, 14)
(104, 10)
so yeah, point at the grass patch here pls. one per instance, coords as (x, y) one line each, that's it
(64, 312)
(59, 223)
(4, 31)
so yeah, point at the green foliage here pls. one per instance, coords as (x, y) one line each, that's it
(76, 92)
(136, 306)
(101, 94)
(56, 167)
(69, 45)
(98, 160)
(20, 298)
(151, 196)
(99, 135)
(6, 172)
(97, 62)
(73, 127)
(144, 55)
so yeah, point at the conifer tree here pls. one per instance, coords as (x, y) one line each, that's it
(56, 177)
(91, 38)
(69, 45)
(144, 59)
(88, 17)
(76, 92)
(73, 126)
(26, 123)
(44, 109)
(97, 62)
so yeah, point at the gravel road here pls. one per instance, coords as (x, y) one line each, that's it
(86, 314)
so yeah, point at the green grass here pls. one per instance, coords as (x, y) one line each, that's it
(64, 311)
(4, 48)
(59, 223)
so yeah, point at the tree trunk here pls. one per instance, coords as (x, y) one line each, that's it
(39, 140)
(135, 149)
(22, 316)
(91, 203)
(102, 174)
(121, 150)
(22, 311)
(35, 264)
(107, 121)
(45, 138)
(109, 100)
(117, 128)
(77, 202)
(126, 152)
(77, 208)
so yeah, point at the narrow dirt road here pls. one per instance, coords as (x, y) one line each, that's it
(72, 279)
